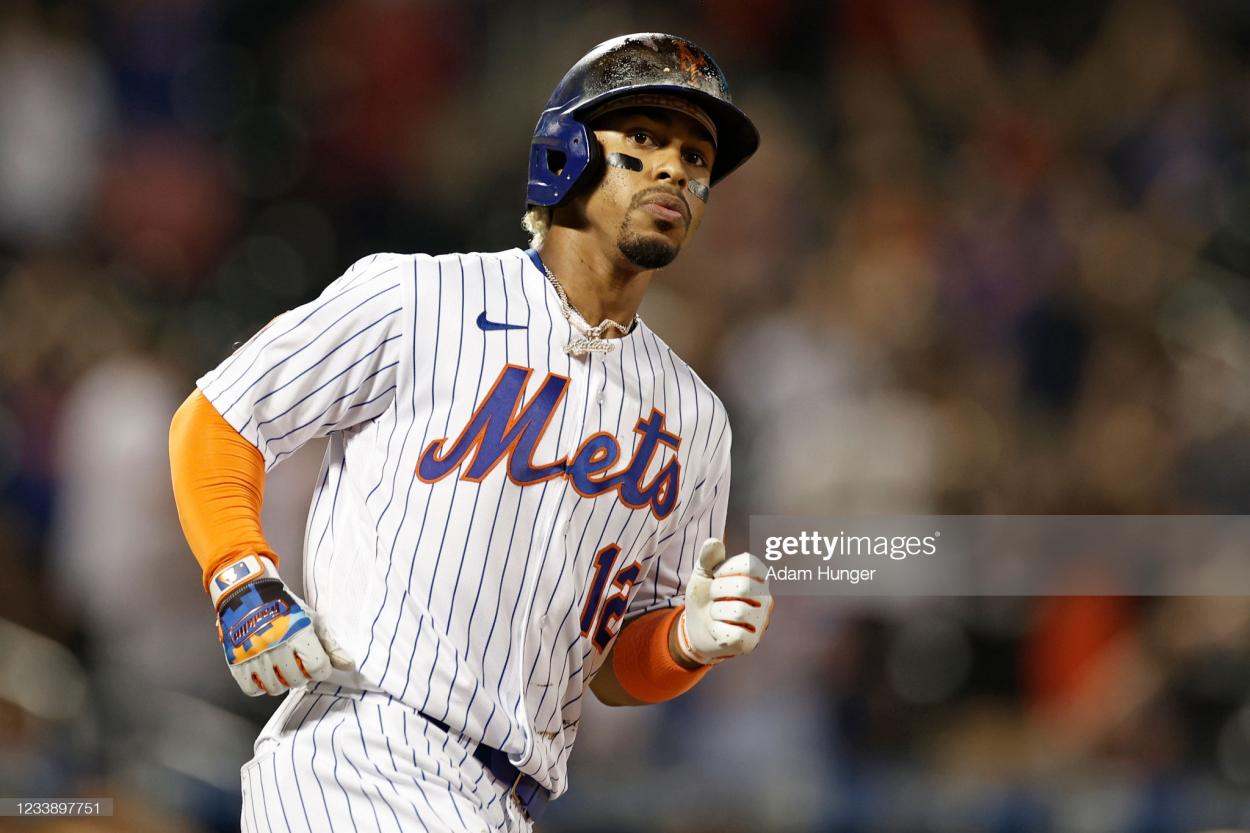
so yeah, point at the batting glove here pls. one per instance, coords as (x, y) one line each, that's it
(272, 641)
(728, 606)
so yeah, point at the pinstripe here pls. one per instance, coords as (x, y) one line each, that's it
(333, 379)
(518, 703)
(251, 804)
(257, 777)
(547, 294)
(420, 789)
(446, 432)
(425, 514)
(311, 563)
(390, 562)
(651, 368)
(415, 810)
(454, 490)
(638, 376)
(495, 518)
(370, 401)
(295, 776)
(273, 763)
(663, 387)
(336, 348)
(429, 751)
(399, 828)
(347, 799)
(334, 423)
(468, 534)
(312, 764)
(677, 383)
(328, 528)
(387, 455)
(351, 281)
(681, 409)
(377, 823)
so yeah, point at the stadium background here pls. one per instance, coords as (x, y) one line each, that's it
(991, 258)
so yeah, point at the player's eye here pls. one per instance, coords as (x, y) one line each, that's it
(695, 158)
(641, 137)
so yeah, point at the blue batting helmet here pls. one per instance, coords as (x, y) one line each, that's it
(654, 64)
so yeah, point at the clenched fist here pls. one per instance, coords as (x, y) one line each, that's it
(272, 642)
(728, 606)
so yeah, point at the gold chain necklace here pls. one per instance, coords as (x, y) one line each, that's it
(591, 338)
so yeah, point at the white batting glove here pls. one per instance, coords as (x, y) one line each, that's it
(272, 641)
(728, 606)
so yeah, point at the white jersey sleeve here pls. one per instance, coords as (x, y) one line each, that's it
(324, 366)
(665, 583)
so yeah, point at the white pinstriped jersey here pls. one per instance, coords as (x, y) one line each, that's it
(490, 509)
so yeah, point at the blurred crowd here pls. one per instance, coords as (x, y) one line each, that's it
(990, 259)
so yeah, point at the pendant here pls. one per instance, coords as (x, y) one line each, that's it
(584, 345)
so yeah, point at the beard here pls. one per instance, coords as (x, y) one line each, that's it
(649, 251)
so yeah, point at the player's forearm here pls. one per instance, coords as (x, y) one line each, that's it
(645, 665)
(608, 688)
(218, 480)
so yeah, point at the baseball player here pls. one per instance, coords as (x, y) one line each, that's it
(523, 492)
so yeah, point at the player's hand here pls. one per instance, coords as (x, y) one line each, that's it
(728, 606)
(272, 641)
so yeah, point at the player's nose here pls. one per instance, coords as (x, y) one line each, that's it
(669, 167)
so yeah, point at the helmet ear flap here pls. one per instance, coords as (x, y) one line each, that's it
(562, 151)
(592, 167)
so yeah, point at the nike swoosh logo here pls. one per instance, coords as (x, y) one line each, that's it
(494, 325)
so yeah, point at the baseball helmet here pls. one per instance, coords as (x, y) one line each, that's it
(648, 63)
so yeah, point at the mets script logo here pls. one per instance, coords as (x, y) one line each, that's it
(503, 426)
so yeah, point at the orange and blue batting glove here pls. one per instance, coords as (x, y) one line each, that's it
(272, 642)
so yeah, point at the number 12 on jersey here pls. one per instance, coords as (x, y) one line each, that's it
(607, 612)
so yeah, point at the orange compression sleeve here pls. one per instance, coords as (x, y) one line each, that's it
(644, 666)
(219, 480)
